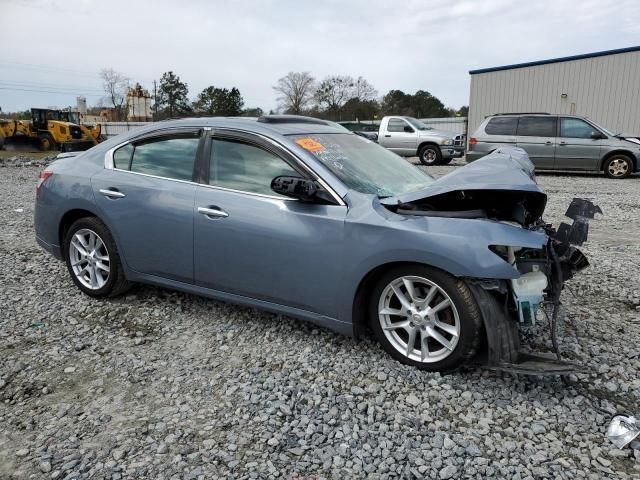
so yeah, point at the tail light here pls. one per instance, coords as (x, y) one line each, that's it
(44, 175)
(473, 141)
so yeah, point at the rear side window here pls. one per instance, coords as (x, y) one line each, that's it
(575, 128)
(537, 126)
(169, 157)
(396, 125)
(502, 126)
(122, 157)
(245, 167)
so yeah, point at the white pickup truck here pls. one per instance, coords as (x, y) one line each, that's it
(409, 137)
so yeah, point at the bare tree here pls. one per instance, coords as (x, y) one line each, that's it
(296, 91)
(115, 87)
(334, 92)
(363, 90)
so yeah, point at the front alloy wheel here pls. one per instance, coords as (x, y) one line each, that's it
(426, 318)
(618, 166)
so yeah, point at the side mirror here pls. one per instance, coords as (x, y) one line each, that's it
(597, 136)
(295, 187)
(408, 129)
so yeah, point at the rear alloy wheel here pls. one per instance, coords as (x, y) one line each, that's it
(430, 155)
(618, 166)
(425, 318)
(92, 259)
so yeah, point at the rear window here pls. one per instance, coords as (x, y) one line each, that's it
(537, 126)
(502, 126)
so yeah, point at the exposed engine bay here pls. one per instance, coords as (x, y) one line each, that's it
(509, 304)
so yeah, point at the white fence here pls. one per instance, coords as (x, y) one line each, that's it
(111, 129)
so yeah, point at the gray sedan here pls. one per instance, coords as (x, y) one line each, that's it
(301, 217)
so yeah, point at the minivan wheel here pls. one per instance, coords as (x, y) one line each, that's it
(426, 318)
(618, 166)
(430, 155)
(93, 260)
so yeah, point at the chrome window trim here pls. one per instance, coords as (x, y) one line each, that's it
(108, 164)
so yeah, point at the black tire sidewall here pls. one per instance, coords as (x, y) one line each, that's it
(92, 223)
(430, 147)
(468, 312)
(618, 157)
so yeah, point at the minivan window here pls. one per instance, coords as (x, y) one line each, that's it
(248, 168)
(501, 126)
(396, 125)
(537, 126)
(575, 128)
(169, 157)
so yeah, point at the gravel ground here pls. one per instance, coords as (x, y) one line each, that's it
(162, 385)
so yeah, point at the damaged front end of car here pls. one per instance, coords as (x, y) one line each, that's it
(502, 189)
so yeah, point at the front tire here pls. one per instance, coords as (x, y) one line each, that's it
(92, 259)
(430, 155)
(426, 318)
(618, 166)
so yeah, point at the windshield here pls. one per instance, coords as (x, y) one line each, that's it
(417, 123)
(605, 130)
(363, 165)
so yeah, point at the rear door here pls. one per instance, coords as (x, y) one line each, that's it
(397, 139)
(576, 148)
(146, 198)
(537, 136)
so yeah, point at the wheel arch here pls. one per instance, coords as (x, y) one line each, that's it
(359, 313)
(626, 153)
(427, 142)
(67, 220)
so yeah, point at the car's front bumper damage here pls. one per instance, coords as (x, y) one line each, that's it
(508, 305)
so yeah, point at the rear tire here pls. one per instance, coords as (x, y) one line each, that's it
(618, 167)
(411, 331)
(93, 260)
(430, 155)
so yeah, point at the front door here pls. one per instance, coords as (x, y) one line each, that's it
(252, 242)
(147, 200)
(536, 135)
(577, 149)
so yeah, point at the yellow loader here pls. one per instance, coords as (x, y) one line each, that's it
(48, 130)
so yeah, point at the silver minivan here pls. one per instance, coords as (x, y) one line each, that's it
(558, 142)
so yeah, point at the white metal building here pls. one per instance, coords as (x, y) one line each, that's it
(603, 86)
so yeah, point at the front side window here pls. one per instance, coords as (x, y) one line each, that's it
(575, 128)
(169, 157)
(537, 126)
(397, 125)
(502, 126)
(241, 166)
(363, 165)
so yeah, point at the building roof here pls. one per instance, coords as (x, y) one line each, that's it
(556, 60)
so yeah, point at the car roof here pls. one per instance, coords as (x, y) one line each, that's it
(269, 124)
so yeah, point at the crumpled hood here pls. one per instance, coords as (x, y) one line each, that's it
(500, 186)
(507, 168)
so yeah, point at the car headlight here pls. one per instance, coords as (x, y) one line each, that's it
(448, 141)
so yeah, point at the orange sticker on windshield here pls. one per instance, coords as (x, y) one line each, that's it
(310, 144)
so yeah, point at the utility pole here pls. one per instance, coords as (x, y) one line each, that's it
(155, 102)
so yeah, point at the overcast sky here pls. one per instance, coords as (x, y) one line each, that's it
(61, 46)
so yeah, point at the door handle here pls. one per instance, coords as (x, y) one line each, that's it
(547, 143)
(107, 192)
(562, 143)
(387, 135)
(213, 212)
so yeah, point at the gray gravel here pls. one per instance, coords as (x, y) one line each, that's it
(165, 385)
